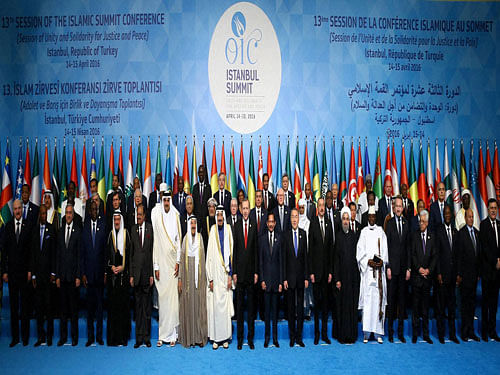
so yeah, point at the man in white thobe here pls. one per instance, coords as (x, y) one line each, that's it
(220, 307)
(372, 260)
(166, 258)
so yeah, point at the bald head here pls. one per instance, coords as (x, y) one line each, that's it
(18, 210)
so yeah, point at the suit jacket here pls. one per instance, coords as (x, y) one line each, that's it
(109, 203)
(415, 224)
(424, 259)
(364, 220)
(286, 218)
(435, 215)
(335, 213)
(141, 257)
(100, 211)
(32, 212)
(180, 203)
(92, 255)
(490, 252)
(398, 246)
(272, 202)
(409, 210)
(271, 262)
(320, 260)
(130, 203)
(43, 260)
(16, 254)
(295, 270)
(338, 204)
(263, 219)
(383, 210)
(357, 228)
(310, 209)
(68, 258)
(77, 220)
(153, 199)
(227, 201)
(245, 260)
(469, 259)
(291, 199)
(201, 205)
(447, 255)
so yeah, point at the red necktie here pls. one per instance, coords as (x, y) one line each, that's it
(258, 221)
(246, 235)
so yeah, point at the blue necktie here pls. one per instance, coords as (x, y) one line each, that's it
(295, 241)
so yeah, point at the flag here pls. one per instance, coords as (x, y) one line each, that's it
(213, 173)
(111, 170)
(324, 168)
(194, 171)
(168, 168)
(422, 183)
(351, 191)
(404, 169)
(288, 168)
(316, 185)
(377, 180)
(473, 182)
(27, 166)
(455, 190)
(121, 180)
(278, 167)
(430, 179)
(360, 184)
(74, 169)
(260, 170)
(342, 178)
(6, 195)
(20, 173)
(63, 193)
(297, 189)
(251, 178)
(307, 173)
(232, 173)
(185, 170)
(387, 172)
(333, 164)
(84, 181)
(490, 186)
(223, 168)
(93, 163)
(138, 164)
(270, 187)
(147, 175)
(463, 169)
(496, 173)
(129, 182)
(447, 177)
(35, 182)
(242, 184)
(175, 182)
(55, 179)
(101, 179)
(367, 161)
(394, 173)
(483, 192)
(413, 188)
(437, 177)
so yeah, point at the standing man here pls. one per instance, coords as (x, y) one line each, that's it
(310, 205)
(141, 276)
(282, 212)
(271, 276)
(289, 197)
(93, 190)
(115, 186)
(201, 194)
(207, 222)
(245, 271)
(222, 196)
(154, 196)
(234, 213)
(320, 268)
(336, 201)
(258, 214)
(93, 251)
(132, 209)
(363, 197)
(460, 220)
(437, 208)
(268, 198)
(408, 206)
(385, 204)
(116, 203)
(30, 210)
(15, 272)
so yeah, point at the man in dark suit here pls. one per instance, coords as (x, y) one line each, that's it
(189, 212)
(92, 253)
(320, 268)
(245, 271)
(446, 268)
(30, 210)
(437, 208)
(385, 203)
(68, 275)
(271, 276)
(423, 264)
(116, 203)
(490, 271)
(408, 206)
(289, 196)
(138, 200)
(269, 201)
(258, 214)
(295, 276)
(415, 222)
(332, 210)
(222, 196)
(100, 205)
(179, 199)
(109, 199)
(141, 276)
(15, 272)
(310, 205)
(131, 199)
(337, 203)
(42, 267)
(233, 219)
(469, 249)
(354, 225)
(398, 268)
(281, 212)
(154, 196)
(201, 194)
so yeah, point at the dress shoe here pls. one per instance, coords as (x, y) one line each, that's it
(88, 343)
(428, 340)
(137, 345)
(475, 338)
(495, 337)
(441, 340)
(484, 338)
(148, 344)
(49, 342)
(25, 342)
(100, 341)
(13, 343)
(74, 343)
(240, 346)
(292, 343)
(316, 340)
(301, 344)
(61, 343)
(266, 343)
(402, 339)
(276, 343)
(251, 345)
(391, 339)
(326, 340)
(38, 343)
(454, 339)
(414, 339)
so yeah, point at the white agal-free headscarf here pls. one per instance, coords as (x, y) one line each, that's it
(170, 220)
(303, 219)
(119, 238)
(227, 246)
(51, 209)
(193, 249)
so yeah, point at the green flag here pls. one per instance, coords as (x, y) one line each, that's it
(413, 190)
(101, 182)
(251, 179)
(232, 174)
(343, 177)
(63, 193)
(288, 168)
(377, 185)
(158, 162)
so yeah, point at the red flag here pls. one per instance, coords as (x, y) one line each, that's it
(496, 173)
(27, 166)
(74, 173)
(120, 169)
(46, 172)
(270, 168)
(223, 163)
(423, 190)
(394, 172)
(260, 169)
(361, 182)
(307, 173)
(185, 170)
(404, 170)
(213, 172)
(481, 176)
(84, 188)
(387, 172)
(351, 191)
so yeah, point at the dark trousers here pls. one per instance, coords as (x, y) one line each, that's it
(143, 308)
(295, 299)
(43, 309)
(396, 290)
(421, 297)
(468, 302)
(320, 293)
(19, 307)
(69, 310)
(489, 306)
(446, 304)
(259, 302)
(243, 289)
(95, 295)
(271, 312)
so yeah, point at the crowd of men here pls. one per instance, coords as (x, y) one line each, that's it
(204, 258)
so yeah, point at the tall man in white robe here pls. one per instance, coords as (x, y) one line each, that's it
(372, 257)
(166, 258)
(220, 307)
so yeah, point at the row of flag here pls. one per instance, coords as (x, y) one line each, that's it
(483, 181)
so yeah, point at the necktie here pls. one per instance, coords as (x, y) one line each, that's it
(246, 235)
(286, 198)
(18, 230)
(234, 220)
(321, 224)
(265, 200)
(93, 234)
(281, 217)
(67, 236)
(258, 220)
(24, 211)
(352, 226)
(221, 197)
(295, 241)
(399, 227)
(449, 237)
(271, 242)
(441, 209)
(494, 224)
(140, 234)
(201, 192)
(473, 238)
(334, 204)
(405, 203)
(42, 229)
(423, 242)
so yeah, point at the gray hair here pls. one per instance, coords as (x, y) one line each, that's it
(424, 215)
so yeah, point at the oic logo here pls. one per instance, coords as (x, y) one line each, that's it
(238, 24)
